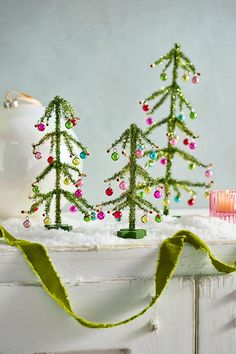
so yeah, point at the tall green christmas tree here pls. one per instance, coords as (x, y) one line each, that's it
(60, 110)
(176, 119)
(139, 179)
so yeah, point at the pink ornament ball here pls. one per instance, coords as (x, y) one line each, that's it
(196, 79)
(38, 155)
(208, 173)
(157, 194)
(101, 215)
(140, 153)
(73, 209)
(78, 193)
(27, 223)
(149, 121)
(123, 185)
(41, 127)
(80, 182)
(164, 161)
(173, 141)
(192, 145)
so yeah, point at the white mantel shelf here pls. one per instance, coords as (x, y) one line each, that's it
(109, 279)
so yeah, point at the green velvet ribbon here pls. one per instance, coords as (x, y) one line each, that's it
(170, 251)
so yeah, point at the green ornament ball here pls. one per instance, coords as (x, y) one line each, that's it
(36, 189)
(115, 156)
(141, 194)
(185, 77)
(83, 155)
(193, 115)
(87, 218)
(69, 124)
(151, 163)
(158, 218)
(191, 165)
(207, 194)
(163, 76)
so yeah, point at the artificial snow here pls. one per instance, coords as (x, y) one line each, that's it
(102, 234)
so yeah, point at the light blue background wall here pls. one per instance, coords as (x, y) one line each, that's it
(96, 53)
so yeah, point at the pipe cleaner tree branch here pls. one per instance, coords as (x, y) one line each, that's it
(175, 120)
(132, 196)
(60, 109)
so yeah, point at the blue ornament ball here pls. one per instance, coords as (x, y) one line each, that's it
(181, 117)
(83, 155)
(177, 198)
(93, 216)
(153, 155)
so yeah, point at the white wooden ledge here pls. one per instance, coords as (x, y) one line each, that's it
(196, 314)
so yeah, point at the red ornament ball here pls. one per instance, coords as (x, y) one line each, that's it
(186, 141)
(117, 214)
(50, 159)
(145, 107)
(73, 121)
(191, 201)
(109, 191)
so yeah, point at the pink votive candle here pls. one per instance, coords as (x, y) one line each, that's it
(223, 204)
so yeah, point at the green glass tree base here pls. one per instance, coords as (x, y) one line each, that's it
(126, 233)
(59, 226)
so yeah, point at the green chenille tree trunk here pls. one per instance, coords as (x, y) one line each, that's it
(132, 177)
(171, 126)
(58, 167)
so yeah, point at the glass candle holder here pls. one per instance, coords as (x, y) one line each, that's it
(223, 205)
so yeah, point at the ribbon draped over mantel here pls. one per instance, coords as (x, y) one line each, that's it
(167, 261)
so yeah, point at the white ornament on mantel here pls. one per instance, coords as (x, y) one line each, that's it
(18, 166)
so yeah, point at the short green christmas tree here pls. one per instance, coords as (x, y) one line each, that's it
(139, 180)
(176, 119)
(69, 173)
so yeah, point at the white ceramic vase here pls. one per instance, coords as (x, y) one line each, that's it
(18, 166)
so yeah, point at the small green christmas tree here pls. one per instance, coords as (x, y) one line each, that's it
(176, 119)
(133, 195)
(60, 110)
